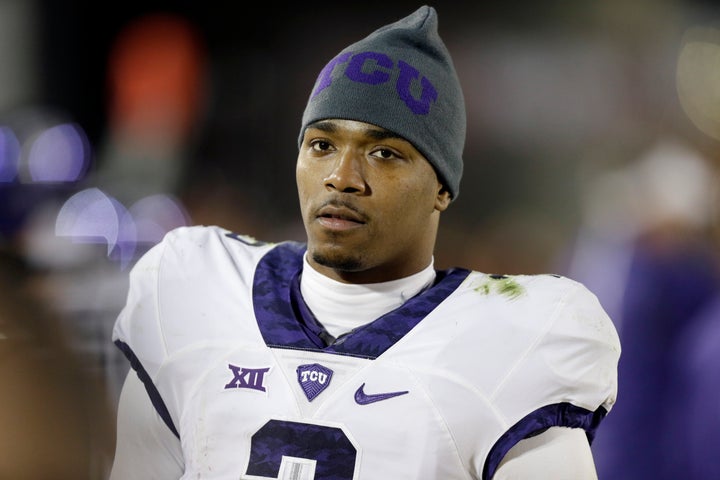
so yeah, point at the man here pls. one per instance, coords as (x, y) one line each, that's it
(350, 356)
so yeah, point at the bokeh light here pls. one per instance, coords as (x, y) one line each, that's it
(156, 215)
(698, 79)
(59, 154)
(9, 155)
(92, 216)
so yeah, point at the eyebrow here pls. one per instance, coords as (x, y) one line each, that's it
(375, 133)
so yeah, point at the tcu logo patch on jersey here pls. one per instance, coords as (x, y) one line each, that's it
(313, 378)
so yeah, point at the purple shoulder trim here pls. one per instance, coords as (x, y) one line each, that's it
(152, 391)
(556, 415)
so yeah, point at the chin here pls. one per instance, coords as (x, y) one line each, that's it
(342, 262)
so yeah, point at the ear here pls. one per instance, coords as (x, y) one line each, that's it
(443, 199)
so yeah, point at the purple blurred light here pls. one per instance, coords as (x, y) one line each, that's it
(155, 216)
(91, 216)
(59, 154)
(9, 155)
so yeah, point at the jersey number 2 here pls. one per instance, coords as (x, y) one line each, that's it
(324, 450)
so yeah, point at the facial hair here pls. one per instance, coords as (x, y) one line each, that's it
(342, 264)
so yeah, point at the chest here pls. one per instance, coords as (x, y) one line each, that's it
(279, 413)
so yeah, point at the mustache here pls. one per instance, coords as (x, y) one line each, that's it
(339, 203)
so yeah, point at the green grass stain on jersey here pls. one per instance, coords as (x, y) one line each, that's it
(500, 284)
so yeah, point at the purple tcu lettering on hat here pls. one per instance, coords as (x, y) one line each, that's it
(313, 378)
(360, 69)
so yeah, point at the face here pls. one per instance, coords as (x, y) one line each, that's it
(370, 202)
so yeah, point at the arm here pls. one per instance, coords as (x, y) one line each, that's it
(146, 448)
(559, 453)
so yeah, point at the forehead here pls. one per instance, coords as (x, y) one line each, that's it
(353, 127)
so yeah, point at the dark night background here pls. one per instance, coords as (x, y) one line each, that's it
(593, 133)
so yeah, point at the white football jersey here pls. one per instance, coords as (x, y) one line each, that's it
(440, 388)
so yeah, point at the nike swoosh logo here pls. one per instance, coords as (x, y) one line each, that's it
(362, 398)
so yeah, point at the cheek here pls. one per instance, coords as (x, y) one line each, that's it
(405, 210)
(303, 176)
(301, 181)
(415, 198)
(308, 174)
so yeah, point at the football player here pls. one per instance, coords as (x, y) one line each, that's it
(349, 356)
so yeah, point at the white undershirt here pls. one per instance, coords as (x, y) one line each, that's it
(342, 307)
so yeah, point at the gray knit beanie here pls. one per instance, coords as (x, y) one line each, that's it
(400, 78)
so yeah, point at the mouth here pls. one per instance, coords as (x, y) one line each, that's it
(339, 217)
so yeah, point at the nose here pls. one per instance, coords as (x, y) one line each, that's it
(347, 174)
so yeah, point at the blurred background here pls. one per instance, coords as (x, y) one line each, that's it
(592, 152)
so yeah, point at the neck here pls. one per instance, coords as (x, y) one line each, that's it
(341, 306)
(372, 275)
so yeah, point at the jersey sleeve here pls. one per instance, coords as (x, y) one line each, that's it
(558, 453)
(137, 330)
(573, 360)
(567, 377)
(185, 295)
(180, 292)
(145, 448)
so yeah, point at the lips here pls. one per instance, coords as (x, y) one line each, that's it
(339, 217)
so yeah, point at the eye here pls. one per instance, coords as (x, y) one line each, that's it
(320, 145)
(385, 154)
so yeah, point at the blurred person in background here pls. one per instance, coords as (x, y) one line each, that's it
(155, 100)
(646, 249)
(65, 228)
(693, 432)
(56, 420)
(350, 356)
